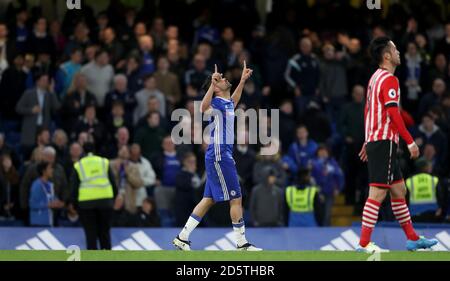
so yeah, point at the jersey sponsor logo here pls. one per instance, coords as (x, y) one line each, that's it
(392, 93)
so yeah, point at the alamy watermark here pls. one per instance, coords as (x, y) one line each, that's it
(73, 4)
(374, 4)
(252, 127)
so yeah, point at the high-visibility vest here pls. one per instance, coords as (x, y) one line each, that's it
(94, 181)
(422, 189)
(301, 200)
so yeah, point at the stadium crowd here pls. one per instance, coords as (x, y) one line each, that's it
(115, 77)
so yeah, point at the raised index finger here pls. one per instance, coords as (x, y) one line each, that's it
(245, 64)
(215, 68)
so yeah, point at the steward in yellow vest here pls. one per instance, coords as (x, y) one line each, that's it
(301, 200)
(425, 194)
(93, 192)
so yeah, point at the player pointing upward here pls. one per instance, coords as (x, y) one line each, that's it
(384, 125)
(222, 182)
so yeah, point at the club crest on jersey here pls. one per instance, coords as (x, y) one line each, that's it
(392, 94)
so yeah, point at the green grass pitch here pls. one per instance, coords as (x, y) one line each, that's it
(220, 256)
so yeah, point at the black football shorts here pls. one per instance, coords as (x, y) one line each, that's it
(383, 163)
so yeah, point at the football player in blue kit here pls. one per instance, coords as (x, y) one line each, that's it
(222, 184)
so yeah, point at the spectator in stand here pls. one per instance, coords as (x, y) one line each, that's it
(287, 131)
(153, 105)
(146, 171)
(89, 53)
(223, 49)
(329, 177)
(12, 87)
(158, 33)
(150, 90)
(122, 138)
(140, 29)
(5, 149)
(147, 215)
(125, 31)
(133, 74)
(333, 80)
(245, 156)
(90, 124)
(263, 163)
(429, 154)
(39, 40)
(267, 203)
(187, 182)
(8, 47)
(303, 149)
(167, 165)
(168, 83)
(412, 76)
(58, 178)
(433, 98)
(117, 119)
(145, 52)
(99, 74)
(75, 102)
(206, 50)
(121, 93)
(443, 46)
(150, 136)
(9, 195)
(429, 133)
(237, 48)
(67, 72)
(42, 137)
(439, 68)
(80, 38)
(196, 76)
(75, 154)
(128, 180)
(59, 143)
(302, 75)
(113, 46)
(351, 128)
(318, 123)
(36, 106)
(43, 200)
(20, 30)
(58, 37)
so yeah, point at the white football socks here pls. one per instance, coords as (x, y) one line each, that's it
(191, 224)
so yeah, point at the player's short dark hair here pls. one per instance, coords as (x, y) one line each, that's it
(207, 83)
(41, 167)
(378, 47)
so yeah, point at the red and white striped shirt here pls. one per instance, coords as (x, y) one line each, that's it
(383, 92)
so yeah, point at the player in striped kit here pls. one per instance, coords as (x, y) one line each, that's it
(222, 182)
(384, 125)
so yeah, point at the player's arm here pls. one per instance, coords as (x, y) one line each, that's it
(246, 73)
(207, 99)
(391, 100)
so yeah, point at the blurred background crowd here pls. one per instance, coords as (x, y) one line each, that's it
(113, 76)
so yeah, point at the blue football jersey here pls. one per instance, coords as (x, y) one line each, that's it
(222, 132)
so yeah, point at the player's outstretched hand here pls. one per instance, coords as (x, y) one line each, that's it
(246, 72)
(414, 151)
(363, 154)
(216, 75)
